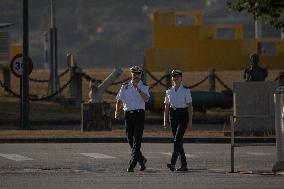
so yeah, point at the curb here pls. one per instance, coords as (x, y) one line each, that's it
(222, 140)
(198, 120)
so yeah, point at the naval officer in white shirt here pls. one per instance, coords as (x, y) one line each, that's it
(131, 98)
(178, 114)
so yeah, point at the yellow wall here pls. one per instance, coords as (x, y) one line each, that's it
(15, 48)
(196, 47)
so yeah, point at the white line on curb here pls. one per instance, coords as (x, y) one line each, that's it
(170, 154)
(15, 157)
(97, 155)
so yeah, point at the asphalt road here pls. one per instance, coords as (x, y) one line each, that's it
(89, 165)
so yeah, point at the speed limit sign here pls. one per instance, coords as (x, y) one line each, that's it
(16, 65)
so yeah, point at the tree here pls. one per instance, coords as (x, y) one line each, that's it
(271, 10)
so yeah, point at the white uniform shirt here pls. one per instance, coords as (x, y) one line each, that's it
(179, 98)
(131, 98)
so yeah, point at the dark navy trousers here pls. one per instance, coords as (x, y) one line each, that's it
(134, 122)
(178, 121)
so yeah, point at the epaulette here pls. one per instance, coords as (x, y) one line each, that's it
(168, 89)
(186, 87)
(144, 83)
(125, 85)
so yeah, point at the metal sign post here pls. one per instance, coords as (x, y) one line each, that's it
(279, 124)
(25, 78)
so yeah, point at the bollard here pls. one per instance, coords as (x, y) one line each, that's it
(279, 124)
(211, 79)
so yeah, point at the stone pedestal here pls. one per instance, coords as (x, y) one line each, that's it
(254, 107)
(278, 166)
(95, 117)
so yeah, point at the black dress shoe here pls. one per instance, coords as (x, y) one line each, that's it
(171, 167)
(144, 160)
(182, 169)
(130, 169)
(143, 167)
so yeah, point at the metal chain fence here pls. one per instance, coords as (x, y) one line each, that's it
(47, 80)
(222, 83)
(10, 91)
(60, 104)
(88, 78)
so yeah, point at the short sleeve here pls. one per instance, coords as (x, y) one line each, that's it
(167, 100)
(188, 97)
(120, 94)
(146, 90)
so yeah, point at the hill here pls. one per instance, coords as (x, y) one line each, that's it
(102, 33)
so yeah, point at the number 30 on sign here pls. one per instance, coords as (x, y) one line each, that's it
(16, 65)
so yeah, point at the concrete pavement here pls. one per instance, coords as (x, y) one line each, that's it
(102, 165)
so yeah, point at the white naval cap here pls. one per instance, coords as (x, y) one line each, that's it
(136, 69)
(176, 72)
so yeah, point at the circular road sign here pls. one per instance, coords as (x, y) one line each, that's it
(16, 65)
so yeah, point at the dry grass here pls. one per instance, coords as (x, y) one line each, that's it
(189, 78)
(47, 110)
(95, 134)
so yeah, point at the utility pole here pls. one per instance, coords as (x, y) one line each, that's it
(53, 78)
(25, 76)
(258, 28)
(45, 49)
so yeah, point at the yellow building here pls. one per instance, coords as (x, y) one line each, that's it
(15, 48)
(179, 42)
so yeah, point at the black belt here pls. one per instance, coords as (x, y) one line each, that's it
(178, 109)
(134, 111)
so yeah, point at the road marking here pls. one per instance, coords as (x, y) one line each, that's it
(97, 155)
(15, 157)
(170, 154)
(259, 153)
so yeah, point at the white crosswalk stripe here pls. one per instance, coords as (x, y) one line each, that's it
(170, 154)
(97, 155)
(259, 153)
(15, 157)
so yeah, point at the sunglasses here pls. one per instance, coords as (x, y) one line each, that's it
(175, 75)
(136, 73)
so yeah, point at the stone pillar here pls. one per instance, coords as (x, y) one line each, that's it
(211, 79)
(76, 83)
(95, 117)
(279, 124)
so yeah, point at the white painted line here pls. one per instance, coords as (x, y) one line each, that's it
(259, 153)
(15, 157)
(170, 154)
(97, 155)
